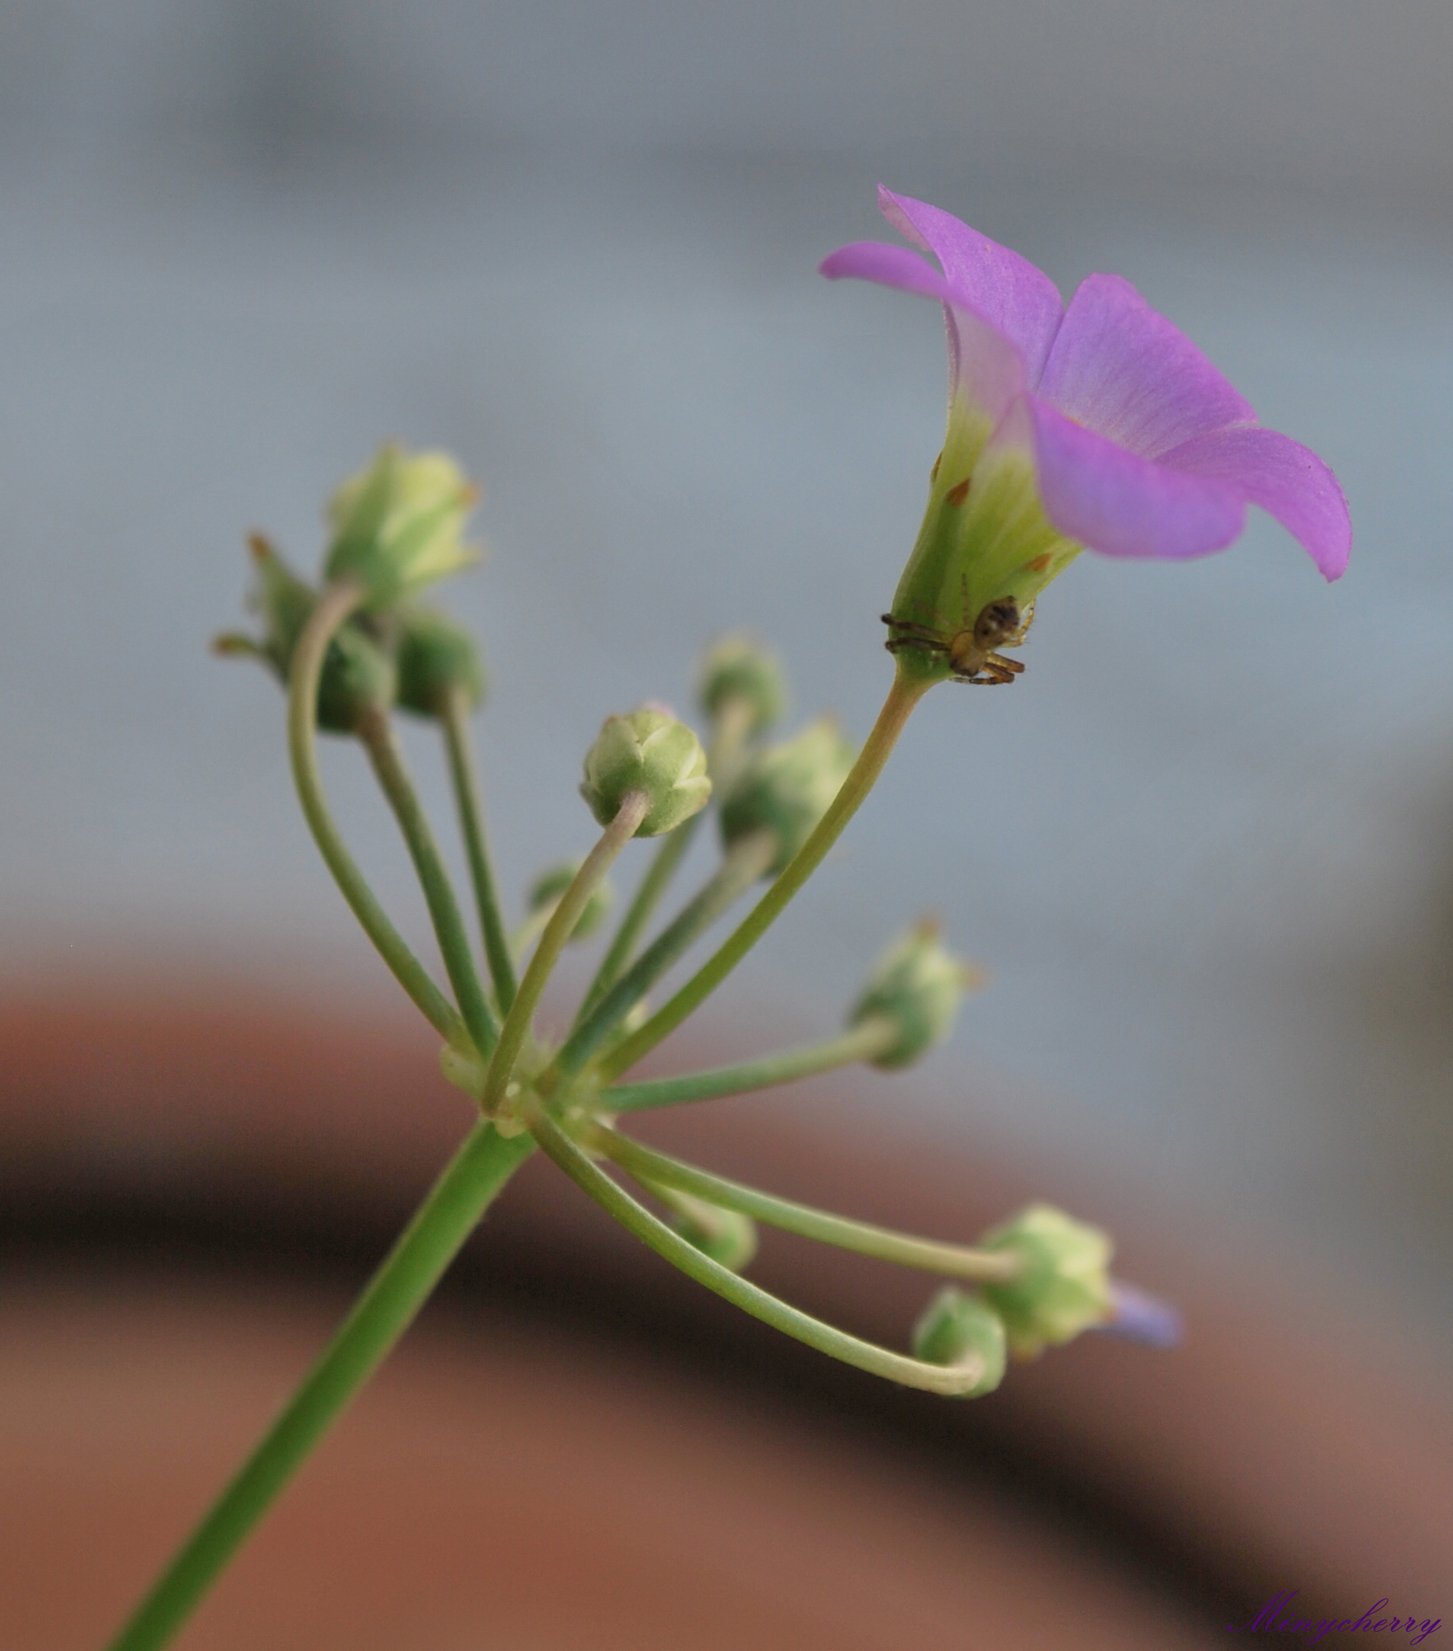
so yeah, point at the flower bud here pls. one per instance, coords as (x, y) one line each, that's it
(727, 1236)
(737, 669)
(646, 750)
(397, 526)
(358, 675)
(435, 657)
(1065, 1285)
(547, 888)
(956, 1327)
(918, 985)
(786, 789)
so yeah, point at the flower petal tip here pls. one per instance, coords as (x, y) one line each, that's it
(1139, 1316)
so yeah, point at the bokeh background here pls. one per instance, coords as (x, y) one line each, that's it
(1205, 847)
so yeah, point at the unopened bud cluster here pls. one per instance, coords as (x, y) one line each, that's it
(395, 528)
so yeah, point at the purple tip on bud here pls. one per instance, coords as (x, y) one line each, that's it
(1141, 1317)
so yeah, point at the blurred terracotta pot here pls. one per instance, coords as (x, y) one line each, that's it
(577, 1447)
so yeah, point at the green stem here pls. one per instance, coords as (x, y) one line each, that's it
(872, 1037)
(398, 1289)
(742, 865)
(464, 772)
(926, 1254)
(727, 740)
(908, 688)
(634, 808)
(335, 606)
(376, 732)
(751, 1298)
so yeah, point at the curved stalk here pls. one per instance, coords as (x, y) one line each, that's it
(727, 740)
(743, 864)
(334, 607)
(376, 732)
(468, 795)
(926, 1254)
(634, 808)
(908, 688)
(953, 1380)
(870, 1038)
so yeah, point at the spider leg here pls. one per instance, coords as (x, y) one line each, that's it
(930, 644)
(1014, 667)
(910, 625)
(996, 673)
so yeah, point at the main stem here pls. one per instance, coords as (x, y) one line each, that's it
(905, 693)
(398, 1289)
(334, 607)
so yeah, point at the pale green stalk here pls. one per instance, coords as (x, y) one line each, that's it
(376, 732)
(334, 608)
(743, 863)
(864, 1042)
(634, 808)
(468, 795)
(909, 686)
(863, 1238)
(953, 1380)
(727, 739)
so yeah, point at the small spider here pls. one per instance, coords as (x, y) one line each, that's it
(970, 651)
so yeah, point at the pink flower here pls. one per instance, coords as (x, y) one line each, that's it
(1094, 424)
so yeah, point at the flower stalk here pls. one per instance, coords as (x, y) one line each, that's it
(634, 807)
(337, 604)
(468, 797)
(376, 732)
(950, 1380)
(980, 1266)
(909, 686)
(864, 1042)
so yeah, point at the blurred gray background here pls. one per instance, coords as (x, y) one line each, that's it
(1205, 847)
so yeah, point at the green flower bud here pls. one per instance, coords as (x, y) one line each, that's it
(786, 789)
(435, 656)
(358, 675)
(738, 669)
(1065, 1285)
(547, 888)
(918, 985)
(956, 1327)
(398, 525)
(726, 1236)
(646, 750)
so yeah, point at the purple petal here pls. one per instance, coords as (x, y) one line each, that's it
(984, 365)
(1286, 479)
(1140, 1316)
(1121, 369)
(1121, 504)
(1007, 290)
